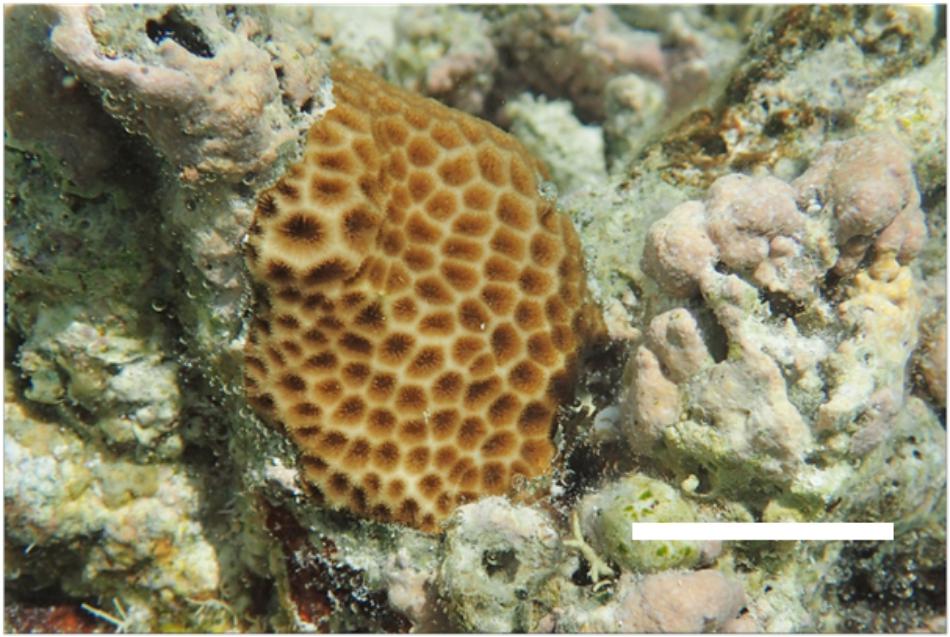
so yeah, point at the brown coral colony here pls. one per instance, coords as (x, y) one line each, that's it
(419, 306)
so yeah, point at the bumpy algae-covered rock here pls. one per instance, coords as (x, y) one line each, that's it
(211, 296)
(700, 56)
(574, 153)
(843, 586)
(932, 357)
(799, 80)
(701, 44)
(604, 218)
(821, 361)
(868, 185)
(682, 603)
(669, 602)
(868, 368)
(908, 575)
(445, 52)
(633, 109)
(367, 39)
(496, 557)
(59, 493)
(747, 382)
(63, 248)
(899, 478)
(780, 598)
(90, 369)
(571, 52)
(82, 293)
(777, 234)
(913, 108)
(737, 410)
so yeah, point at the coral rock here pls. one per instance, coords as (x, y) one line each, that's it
(445, 52)
(573, 152)
(681, 603)
(215, 107)
(420, 306)
(746, 400)
(498, 558)
(816, 308)
(654, 400)
(676, 339)
(572, 52)
(869, 182)
(747, 213)
(678, 249)
(883, 311)
(933, 363)
(669, 602)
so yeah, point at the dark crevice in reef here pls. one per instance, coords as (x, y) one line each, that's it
(891, 603)
(12, 341)
(174, 26)
(717, 341)
(829, 286)
(231, 16)
(782, 304)
(941, 33)
(36, 603)
(318, 585)
(501, 563)
(601, 370)
(54, 617)
(933, 199)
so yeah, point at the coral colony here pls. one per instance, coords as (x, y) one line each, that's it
(420, 309)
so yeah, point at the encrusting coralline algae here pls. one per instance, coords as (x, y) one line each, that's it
(759, 195)
(753, 406)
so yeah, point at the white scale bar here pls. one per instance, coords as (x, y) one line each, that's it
(763, 531)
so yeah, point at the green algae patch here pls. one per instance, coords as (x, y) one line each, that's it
(607, 517)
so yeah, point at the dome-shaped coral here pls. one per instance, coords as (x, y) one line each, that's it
(419, 307)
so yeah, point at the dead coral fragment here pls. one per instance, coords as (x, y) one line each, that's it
(419, 309)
